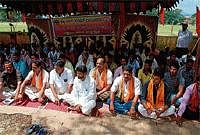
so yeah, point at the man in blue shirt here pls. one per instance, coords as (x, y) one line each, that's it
(20, 64)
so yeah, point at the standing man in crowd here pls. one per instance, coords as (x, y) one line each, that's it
(183, 41)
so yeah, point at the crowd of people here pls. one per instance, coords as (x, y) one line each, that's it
(146, 81)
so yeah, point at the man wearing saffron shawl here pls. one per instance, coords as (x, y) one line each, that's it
(155, 98)
(125, 93)
(35, 83)
(103, 77)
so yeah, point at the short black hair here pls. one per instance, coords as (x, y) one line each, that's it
(148, 61)
(81, 68)
(174, 64)
(16, 54)
(189, 59)
(8, 62)
(158, 72)
(127, 68)
(60, 63)
(38, 63)
(35, 55)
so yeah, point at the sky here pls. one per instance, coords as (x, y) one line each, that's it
(188, 6)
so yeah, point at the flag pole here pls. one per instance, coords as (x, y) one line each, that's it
(195, 46)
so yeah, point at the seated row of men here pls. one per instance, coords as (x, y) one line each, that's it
(127, 94)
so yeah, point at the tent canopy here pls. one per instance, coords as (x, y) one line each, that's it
(85, 6)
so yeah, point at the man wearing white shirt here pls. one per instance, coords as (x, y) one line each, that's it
(183, 41)
(125, 93)
(61, 82)
(83, 96)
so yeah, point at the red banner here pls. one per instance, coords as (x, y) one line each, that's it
(139, 30)
(82, 25)
(39, 30)
(198, 22)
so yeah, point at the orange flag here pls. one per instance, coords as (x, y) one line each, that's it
(162, 16)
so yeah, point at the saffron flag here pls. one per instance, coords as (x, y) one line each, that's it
(162, 16)
(198, 22)
(23, 17)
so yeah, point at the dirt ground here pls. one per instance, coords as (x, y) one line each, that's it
(62, 123)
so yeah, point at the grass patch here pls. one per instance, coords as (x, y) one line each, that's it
(19, 26)
(166, 30)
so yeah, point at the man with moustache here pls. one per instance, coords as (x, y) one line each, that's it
(83, 95)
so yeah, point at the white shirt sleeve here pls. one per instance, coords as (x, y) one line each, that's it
(115, 85)
(75, 90)
(109, 77)
(46, 76)
(137, 85)
(52, 77)
(30, 75)
(70, 77)
(92, 89)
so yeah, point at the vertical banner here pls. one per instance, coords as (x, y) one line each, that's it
(139, 30)
(40, 30)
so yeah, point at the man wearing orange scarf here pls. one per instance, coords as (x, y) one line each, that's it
(125, 93)
(103, 77)
(35, 83)
(155, 98)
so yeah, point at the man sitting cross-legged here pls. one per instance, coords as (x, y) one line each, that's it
(103, 77)
(83, 96)
(35, 83)
(61, 82)
(127, 90)
(10, 81)
(155, 98)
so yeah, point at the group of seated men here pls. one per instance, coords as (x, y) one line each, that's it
(157, 96)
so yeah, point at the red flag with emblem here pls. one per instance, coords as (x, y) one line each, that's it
(198, 22)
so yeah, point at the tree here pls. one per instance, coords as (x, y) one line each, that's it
(3, 15)
(173, 16)
(193, 19)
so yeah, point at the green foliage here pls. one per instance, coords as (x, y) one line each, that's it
(193, 19)
(173, 16)
(3, 16)
(153, 12)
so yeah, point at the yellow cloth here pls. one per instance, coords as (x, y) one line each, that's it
(143, 77)
(40, 83)
(130, 93)
(102, 81)
(159, 98)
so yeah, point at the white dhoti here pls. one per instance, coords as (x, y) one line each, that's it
(87, 105)
(31, 92)
(8, 94)
(168, 112)
(49, 94)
